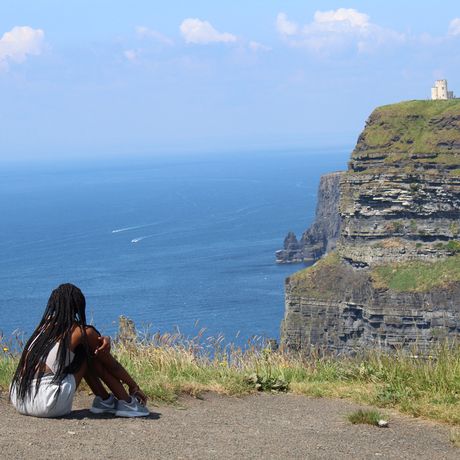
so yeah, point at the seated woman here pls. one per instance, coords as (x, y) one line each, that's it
(61, 352)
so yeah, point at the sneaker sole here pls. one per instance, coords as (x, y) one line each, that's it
(121, 413)
(95, 410)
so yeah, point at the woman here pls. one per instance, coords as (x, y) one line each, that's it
(61, 352)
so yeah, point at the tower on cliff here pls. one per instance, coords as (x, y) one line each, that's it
(440, 91)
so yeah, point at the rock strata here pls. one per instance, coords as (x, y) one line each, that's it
(321, 237)
(393, 279)
(342, 311)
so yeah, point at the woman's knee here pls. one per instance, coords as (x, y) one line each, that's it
(92, 337)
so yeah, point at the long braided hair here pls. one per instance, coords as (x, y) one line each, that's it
(65, 310)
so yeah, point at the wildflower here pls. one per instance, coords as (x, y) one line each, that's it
(5, 349)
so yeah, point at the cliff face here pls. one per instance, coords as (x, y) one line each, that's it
(394, 278)
(322, 236)
(343, 309)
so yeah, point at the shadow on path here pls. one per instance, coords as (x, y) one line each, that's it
(81, 414)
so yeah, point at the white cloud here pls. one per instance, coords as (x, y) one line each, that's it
(256, 46)
(454, 27)
(337, 30)
(347, 17)
(19, 43)
(284, 26)
(202, 32)
(145, 32)
(131, 55)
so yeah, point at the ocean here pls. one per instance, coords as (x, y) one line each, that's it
(174, 242)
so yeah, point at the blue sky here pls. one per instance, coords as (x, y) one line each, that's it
(101, 77)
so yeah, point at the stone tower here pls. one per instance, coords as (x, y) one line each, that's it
(440, 91)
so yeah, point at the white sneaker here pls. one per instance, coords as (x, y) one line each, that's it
(104, 406)
(132, 408)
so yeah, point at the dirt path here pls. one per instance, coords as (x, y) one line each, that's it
(261, 426)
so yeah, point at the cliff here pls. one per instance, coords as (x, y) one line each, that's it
(322, 235)
(394, 277)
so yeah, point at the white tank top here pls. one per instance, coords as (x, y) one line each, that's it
(52, 359)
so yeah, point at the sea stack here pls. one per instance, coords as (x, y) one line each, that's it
(322, 236)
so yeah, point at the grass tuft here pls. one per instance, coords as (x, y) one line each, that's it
(455, 437)
(367, 417)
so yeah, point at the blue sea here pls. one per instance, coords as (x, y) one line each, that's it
(174, 242)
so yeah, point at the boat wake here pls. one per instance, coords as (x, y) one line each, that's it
(135, 227)
(140, 238)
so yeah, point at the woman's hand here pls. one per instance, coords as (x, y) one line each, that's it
(105, 345)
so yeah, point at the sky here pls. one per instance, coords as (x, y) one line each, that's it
(98, 77)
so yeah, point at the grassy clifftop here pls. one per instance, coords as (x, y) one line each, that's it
(329, 278)
(426, 130)
(416, 276)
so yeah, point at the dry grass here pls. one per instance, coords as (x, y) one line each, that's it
(391, 243)
(455, 437)
(169, 365)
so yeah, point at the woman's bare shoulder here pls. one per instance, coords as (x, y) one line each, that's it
(77, 333)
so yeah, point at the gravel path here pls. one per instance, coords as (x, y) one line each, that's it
(260, 426)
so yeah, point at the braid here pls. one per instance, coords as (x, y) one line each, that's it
(65, 309)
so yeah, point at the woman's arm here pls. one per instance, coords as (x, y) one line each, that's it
(112, 365)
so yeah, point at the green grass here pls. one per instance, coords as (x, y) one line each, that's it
(419, 276)
(453, 246)
(310, 281)
(413, 128)
(7, 368)
(365, 417)
(448, 159)
(168, 366)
